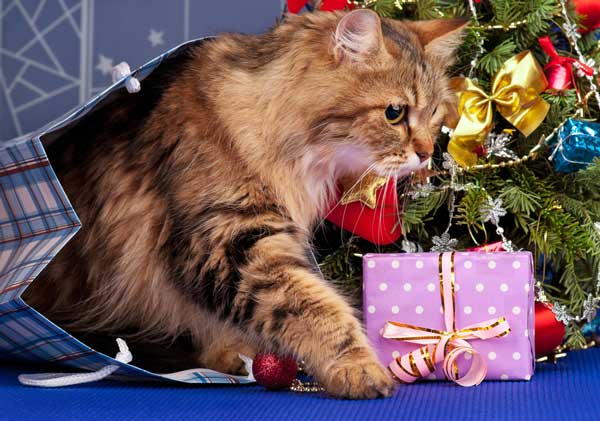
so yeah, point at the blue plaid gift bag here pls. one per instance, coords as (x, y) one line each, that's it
(36, 221)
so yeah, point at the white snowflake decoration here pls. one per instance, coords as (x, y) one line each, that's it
(492, 211)
(561, 313)
(449, 163)
(590, 308)
(496, 145)
(421, 190)
(571, 31)
(444, 243)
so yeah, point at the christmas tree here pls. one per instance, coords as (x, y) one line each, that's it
(521, 173)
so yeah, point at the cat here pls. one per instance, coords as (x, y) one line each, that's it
(199, 194)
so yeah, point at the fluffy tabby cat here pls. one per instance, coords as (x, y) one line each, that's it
(198, 195)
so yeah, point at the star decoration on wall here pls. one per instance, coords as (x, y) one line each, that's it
(105, 64)
(156, 37)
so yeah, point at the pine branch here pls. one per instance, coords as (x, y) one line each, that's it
(419, 211)
(491, 62)
(519, 201)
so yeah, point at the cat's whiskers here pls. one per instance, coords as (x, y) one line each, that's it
(382, 209)
(399, 209)
(320, 224)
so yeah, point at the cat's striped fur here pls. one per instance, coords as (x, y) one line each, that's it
(198, 195)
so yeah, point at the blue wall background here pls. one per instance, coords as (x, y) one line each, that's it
(55, 54)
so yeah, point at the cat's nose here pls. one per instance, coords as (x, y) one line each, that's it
(423, 148)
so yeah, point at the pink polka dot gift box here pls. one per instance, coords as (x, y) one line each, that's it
(461, 316)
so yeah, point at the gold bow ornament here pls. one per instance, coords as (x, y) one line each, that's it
(515, 91)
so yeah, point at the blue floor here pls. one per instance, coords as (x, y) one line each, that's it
(569, 390)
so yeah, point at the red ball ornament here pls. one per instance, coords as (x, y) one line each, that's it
(294, 6)
(590, 9)
(274, 371)
(549, 332)
(332, 5)
(372, 214)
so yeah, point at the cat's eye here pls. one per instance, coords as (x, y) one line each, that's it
(394, 113)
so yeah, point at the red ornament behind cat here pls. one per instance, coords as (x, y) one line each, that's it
(380, 225)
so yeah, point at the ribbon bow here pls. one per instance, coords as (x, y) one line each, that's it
(559, 69)
(443, 346)
(515, 91)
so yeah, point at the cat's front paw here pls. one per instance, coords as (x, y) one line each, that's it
(358, 375)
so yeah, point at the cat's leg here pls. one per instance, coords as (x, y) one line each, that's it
(276, 294)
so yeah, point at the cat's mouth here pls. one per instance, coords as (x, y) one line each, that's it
(398, 168)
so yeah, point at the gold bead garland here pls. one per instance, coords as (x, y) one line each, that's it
(305, 387)
(531, 155)
(512, 25)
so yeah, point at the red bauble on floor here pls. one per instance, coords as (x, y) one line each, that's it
(274, 371)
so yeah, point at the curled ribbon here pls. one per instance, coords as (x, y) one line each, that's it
(559, 69)
(443, 346)
(515, 91)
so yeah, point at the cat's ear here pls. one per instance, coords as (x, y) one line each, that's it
(440, 37)
(358, 37)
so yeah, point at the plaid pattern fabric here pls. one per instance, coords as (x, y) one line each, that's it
(36, 221)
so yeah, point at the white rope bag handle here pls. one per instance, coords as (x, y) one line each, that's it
(122, 70)
(69, 379)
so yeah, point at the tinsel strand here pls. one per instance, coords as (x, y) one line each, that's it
(479, 40)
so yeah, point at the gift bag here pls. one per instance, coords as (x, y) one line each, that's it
(462, 316)
(36, 221)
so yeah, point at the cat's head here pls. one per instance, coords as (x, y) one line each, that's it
(386, 93)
